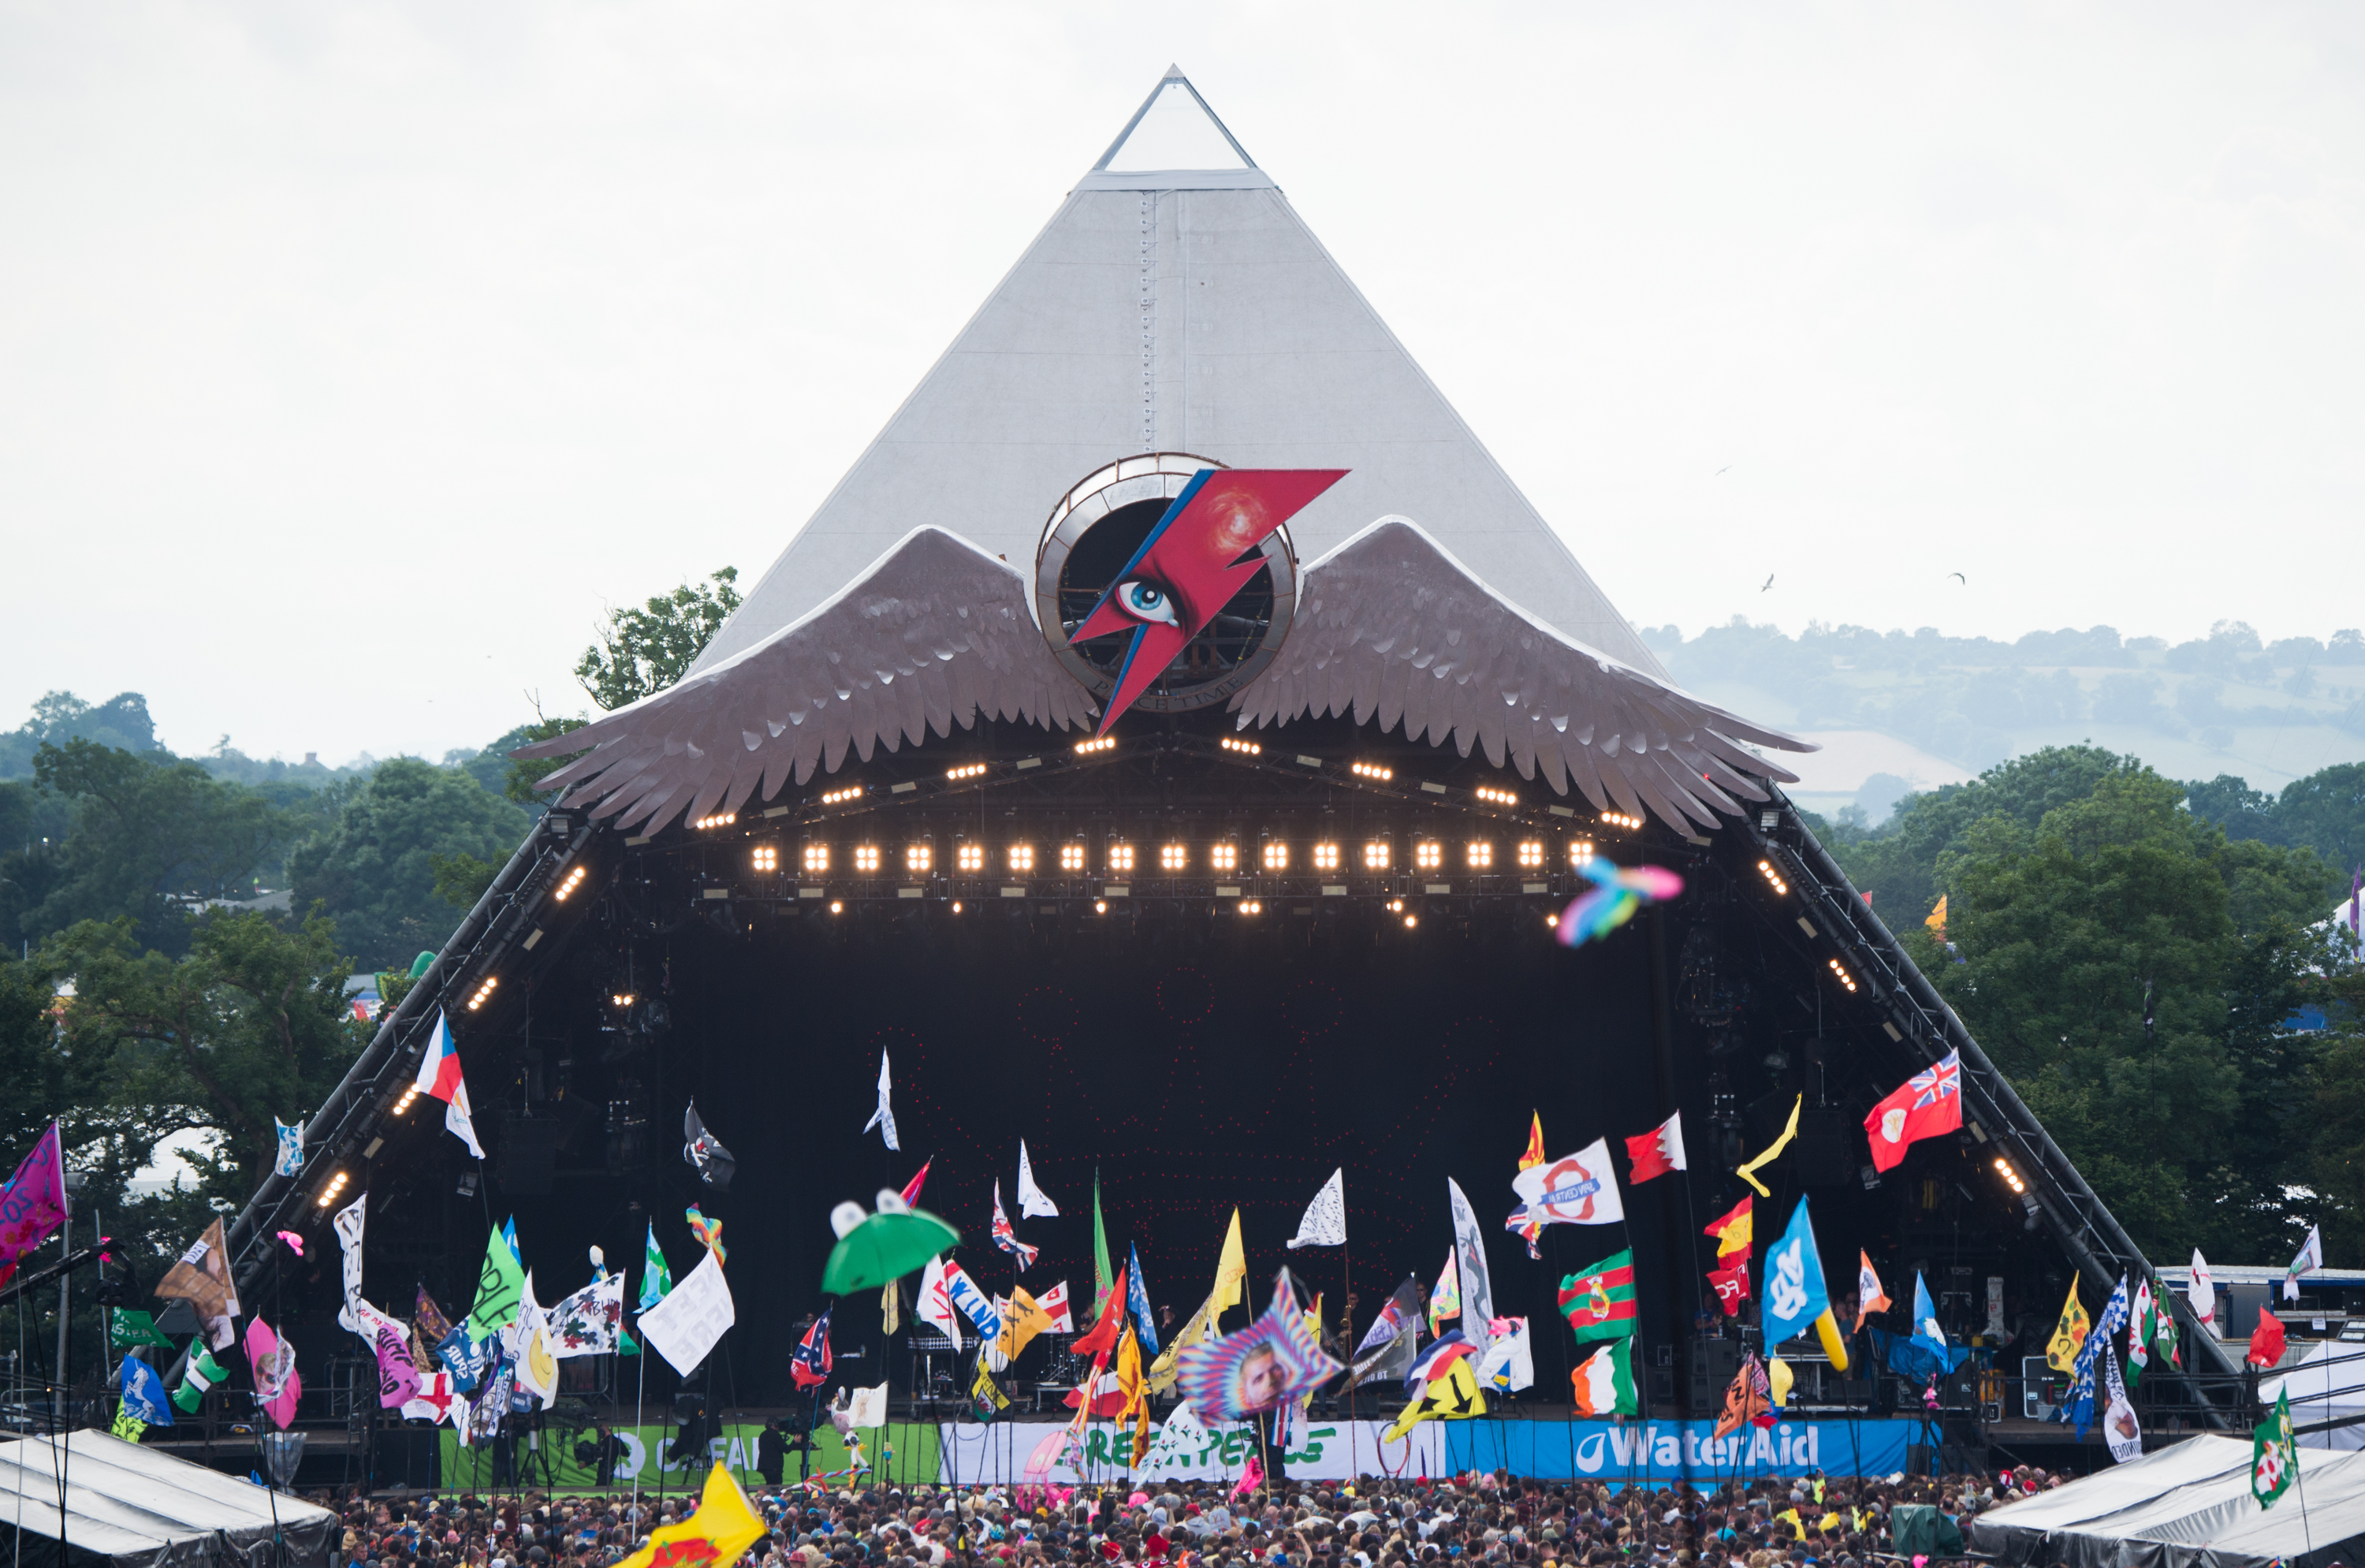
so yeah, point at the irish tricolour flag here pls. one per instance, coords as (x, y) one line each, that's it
(1599, 1301)
(1604, 1381)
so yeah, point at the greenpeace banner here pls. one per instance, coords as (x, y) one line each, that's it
(548, 1459)
(1659, 1452)
(1013, 1451)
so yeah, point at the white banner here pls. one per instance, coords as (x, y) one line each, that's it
(1317, 1451)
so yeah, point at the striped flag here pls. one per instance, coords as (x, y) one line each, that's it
(1603, 1384)
(1599, 1301)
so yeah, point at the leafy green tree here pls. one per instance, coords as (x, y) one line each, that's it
(149, 835)
(374, 872)
(2337, 1110)
(59, 716)
(2325, 810)
(645, 650)
(2112, 908)
(249, 1026)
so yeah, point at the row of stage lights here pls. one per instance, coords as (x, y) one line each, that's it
(1173, 859)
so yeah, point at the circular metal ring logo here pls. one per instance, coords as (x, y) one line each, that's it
(1094, 531)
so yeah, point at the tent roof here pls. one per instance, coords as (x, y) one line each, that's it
(1184, 311)
(135, 1506)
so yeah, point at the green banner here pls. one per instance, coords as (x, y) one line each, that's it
(561, 1460)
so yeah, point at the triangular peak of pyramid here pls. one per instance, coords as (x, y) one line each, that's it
(1174, 141)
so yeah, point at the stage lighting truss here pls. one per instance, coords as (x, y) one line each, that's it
(1071, 857)
(484, 992)
(970, 859)
(1086, 748)
(1531, 854)
(722, 819)
(839, 797)
(918, 858)
(572, 881)
(968, 770)
(2011, 1177)
(1426, 856)
(866, 857)
(1773, 875)
(1480, 856)
(1326, 856)
(817, 858)
(1173, 857)
(1275, 855)
(1249, 906)
(1840, 973)
(764, 857)
(1580, 851)
(1371, 770)
(1021, 859)
(1495, 797)
(410, 1092)
(1246, 748)
(1378, 854)
(1120, 858)
(335, 1189)
(1621, 820)
(1223, 856)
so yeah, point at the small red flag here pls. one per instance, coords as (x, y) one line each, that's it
(1734, 1230)
(1102, 1340)
(1732, 1286)
(2266, 1340)
(1925, 1105)
(1658, 1151)
(911, 1192)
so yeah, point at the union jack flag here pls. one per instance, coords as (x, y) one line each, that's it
(1943, 1079)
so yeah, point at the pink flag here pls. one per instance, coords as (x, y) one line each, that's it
(1251, 1478)
(33, 1203)
(276, 1386)
(398, 1376)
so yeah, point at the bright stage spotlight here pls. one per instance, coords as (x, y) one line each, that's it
(1480, 854)
(816, 858)
(1428, 854)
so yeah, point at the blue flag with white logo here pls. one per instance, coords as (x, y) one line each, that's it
(1137, 1301)
(1794, 1292)
(143, 1393)
(1926, 1331)
(290, 1161)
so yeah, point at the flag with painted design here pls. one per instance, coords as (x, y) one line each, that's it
(1599, 1300)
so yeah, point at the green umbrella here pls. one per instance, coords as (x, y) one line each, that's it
(884, 1246)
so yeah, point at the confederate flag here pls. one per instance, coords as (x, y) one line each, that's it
(809, 1365)
(1929, 1103)
(1658, 1151)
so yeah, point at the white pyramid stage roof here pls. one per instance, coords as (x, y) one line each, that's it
(1176, 303)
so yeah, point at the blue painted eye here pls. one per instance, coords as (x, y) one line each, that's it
(1146, 601)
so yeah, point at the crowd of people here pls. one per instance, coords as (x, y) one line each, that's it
(1494, 1519)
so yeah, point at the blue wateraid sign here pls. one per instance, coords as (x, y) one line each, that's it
(1662, 1451)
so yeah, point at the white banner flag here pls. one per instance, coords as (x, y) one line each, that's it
(1325, 1224)
(686, 1326)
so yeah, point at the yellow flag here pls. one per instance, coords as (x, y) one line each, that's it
(1779, 1377)
(725, 1526)
(1749, 1171)
(1232, 1268)
(1136, 1389)
(2061, 1352)
(890, 1307)
(1937, 919)
(1452, 1397)
(1197, 1329)
(1025, 1319)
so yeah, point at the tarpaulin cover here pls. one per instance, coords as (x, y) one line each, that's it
(135, 1506)
(2324, 1384)
(2188, 1506)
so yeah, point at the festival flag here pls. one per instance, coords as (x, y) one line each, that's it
(1470, 1246)
(2121, 1433)
(985, 1397)
(2310, 1259)
(1748, 1170)
(290, 1161)
(1054, 1303)
(1731, 1230)
(1135, 1390)
(2274, 1453)
(810, 1363)
(1599, 1300)
(1103, 1275)
(128, 1330)
(1575, 1189)
(435, 1400)
(1936, 921)
(1428, 1365)
(1731, 1286)
(1870, 1297)
(890, 1307)
(1231, 1267)
(2163, 1336)
(1006, 1237)
(1509, 1363)
(2267, 1342)
(1032, 1201)
(202, 1279)
(1925, 1105)
(1795, 1294)
(912, 1188)
(935, 1302)
(1259, 1368)
(1928, 1332)
(883, 1118)
(709, 1233)
(686, 1327)
(1023, 1318)
(1445, 1297)
(276, 1385)
(1325, 1221)
(725, 1525)
(1658, 1151)
(200, 1374)
(1453, 1396)
(589, 1322)
(1747, 1400)
(973, 1302)
(1102, 1339)
(501, 1285)
(1531, 1233)
(143, 1395)
(2202, 1292)
(529, 1349)
(2084, 1372)
(34, 1203)
(438, 1075)
(714, 1164)
(2069, 1334)
(1403, 1309)
(1137, 1299)
(1197, 1329)
(656, 1278)
(2142, 1324)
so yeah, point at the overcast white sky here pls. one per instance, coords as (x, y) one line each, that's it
(352, 356)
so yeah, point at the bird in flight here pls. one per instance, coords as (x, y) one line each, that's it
(1726, 469)
(1769, 583)
(1960, 578)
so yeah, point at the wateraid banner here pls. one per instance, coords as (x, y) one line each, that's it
(1662, 1451)
(1185, 1448)
(549, 1458)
